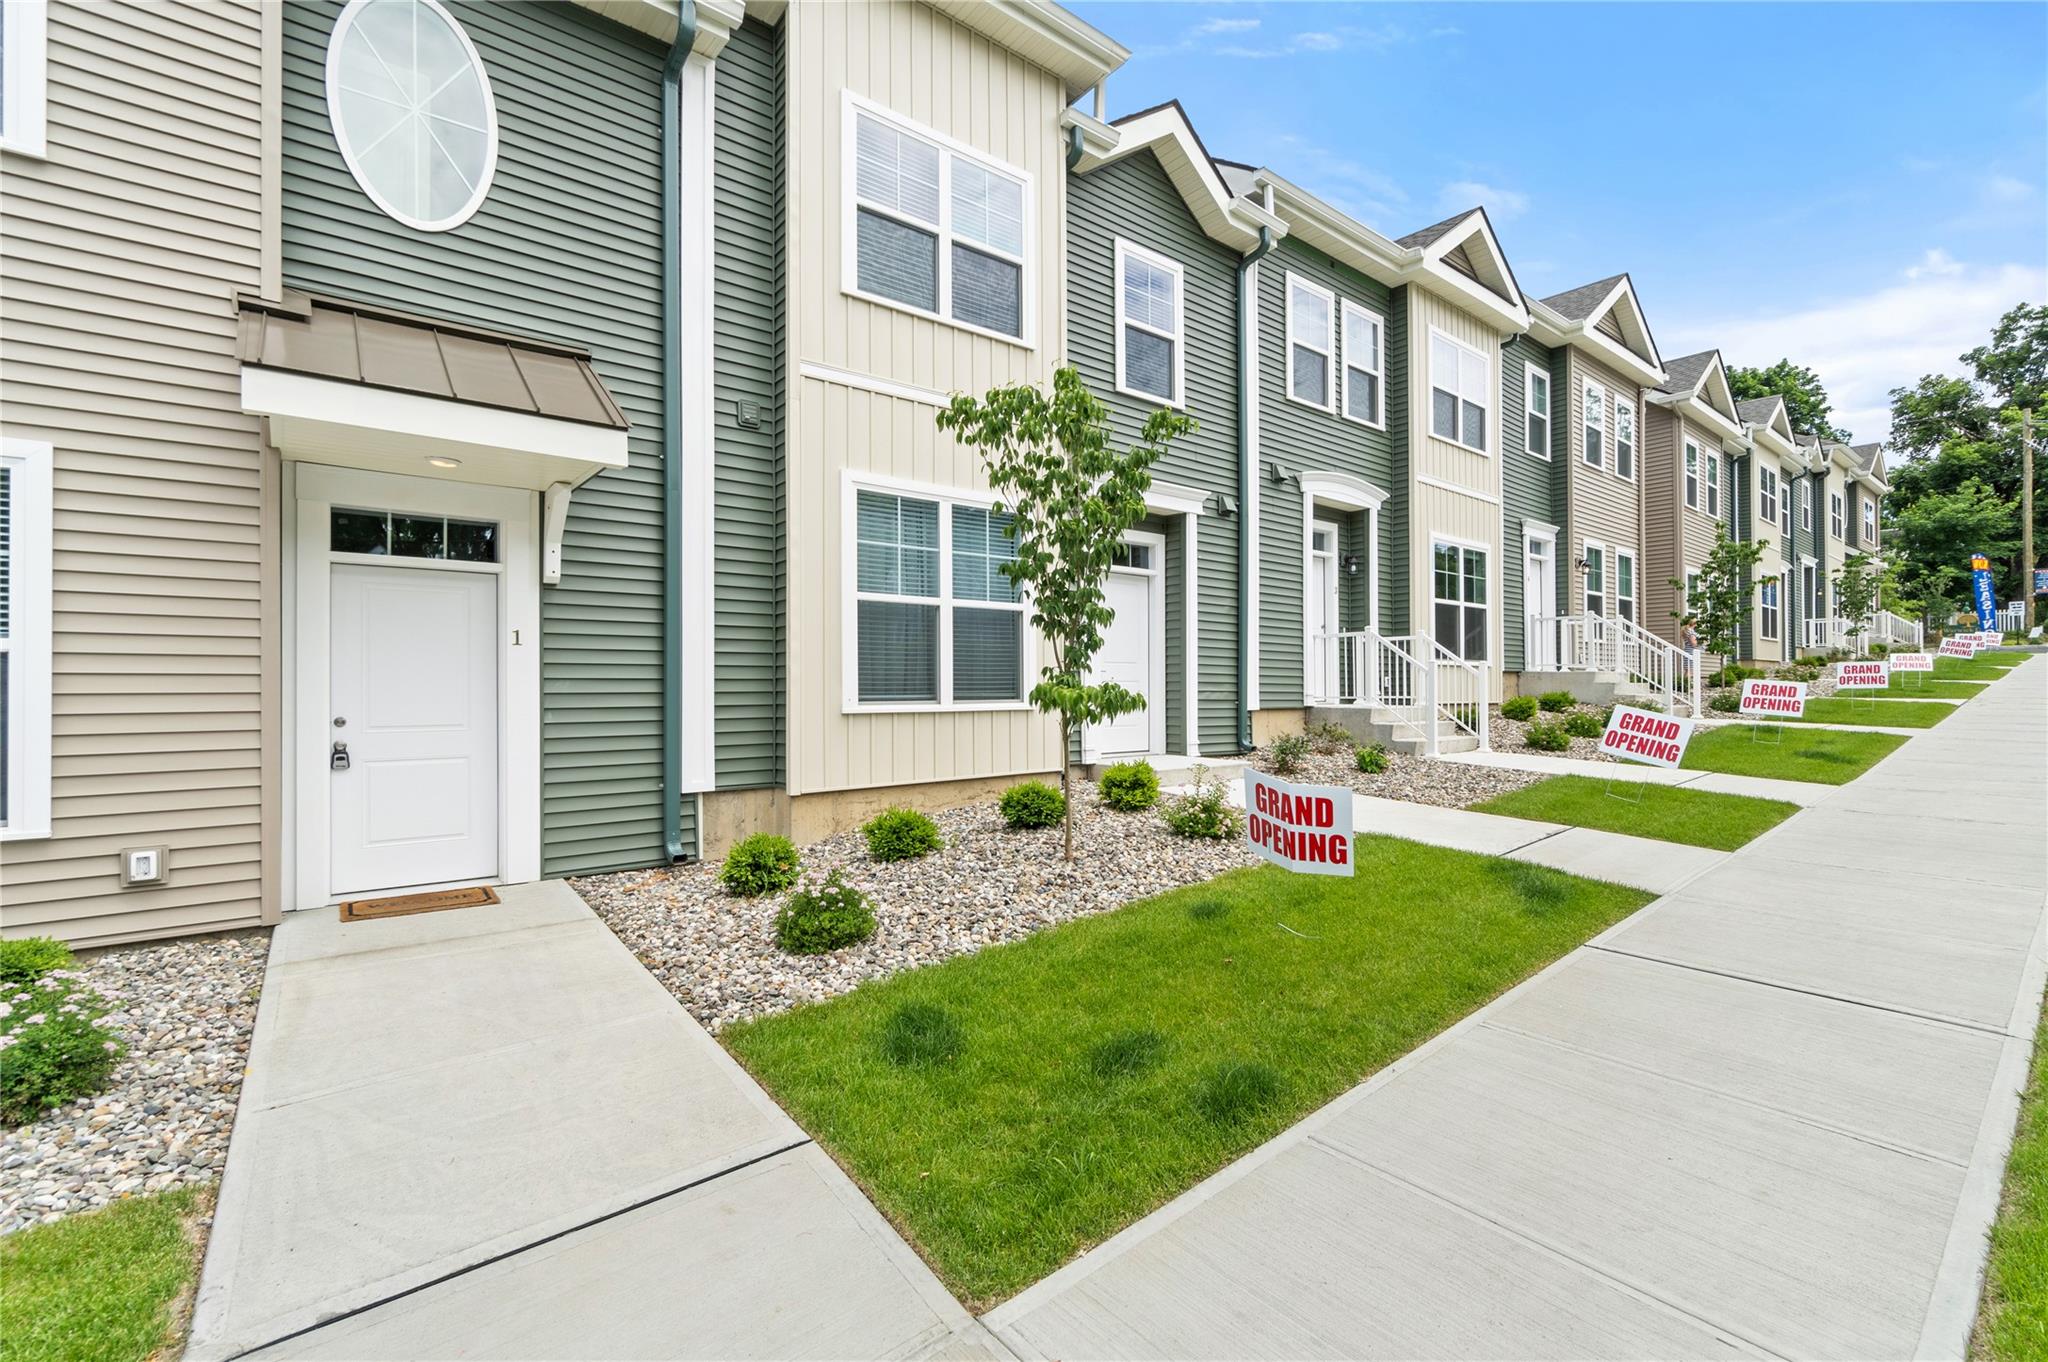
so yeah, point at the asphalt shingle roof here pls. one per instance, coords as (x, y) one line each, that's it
(1683, 374)
(1577, 304)
(1430, 233)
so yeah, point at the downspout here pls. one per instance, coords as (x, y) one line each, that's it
(1247, 377)
(1073, 146)
(672, 432)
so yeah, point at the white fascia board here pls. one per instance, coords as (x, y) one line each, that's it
(1165, 132)
(1469, 294)
(1046, 34)
(1550, 327)
(1342, 238)
(1170, 498)
(1771, 440)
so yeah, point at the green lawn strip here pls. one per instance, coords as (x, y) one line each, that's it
(1919, 686)
(100, 1285)
(1982, 667)
(1667, 813)
(2012, 1320)
(1047, 1093)
(1837, 709)
(1818, 755)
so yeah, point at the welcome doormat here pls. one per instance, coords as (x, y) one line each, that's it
(362, 910)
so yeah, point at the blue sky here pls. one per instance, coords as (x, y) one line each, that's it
(1862, 187)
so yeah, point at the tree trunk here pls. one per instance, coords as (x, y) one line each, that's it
(1067, 786)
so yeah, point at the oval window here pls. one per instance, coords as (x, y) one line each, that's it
(412, 111)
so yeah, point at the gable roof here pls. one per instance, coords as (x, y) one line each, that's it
(1767, 416)
(1697, 385)
(1868, 461)
(1428, 235)
(1465, 248)
(1605, 317)
(1577, 304)
(1164, 130)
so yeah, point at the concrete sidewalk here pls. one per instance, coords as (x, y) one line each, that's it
(1801, 792)
(1767, 1115)
(490, 1132)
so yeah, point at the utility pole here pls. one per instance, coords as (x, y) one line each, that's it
(2027, 513)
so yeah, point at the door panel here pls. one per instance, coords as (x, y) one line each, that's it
(1126, 658)
(414, 680)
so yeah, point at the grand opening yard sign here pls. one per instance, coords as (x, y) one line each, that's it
(1646, 736)
(1773, 699)
(1955, 646)
(1912, 662)
(1302, 827)
(1862, 676)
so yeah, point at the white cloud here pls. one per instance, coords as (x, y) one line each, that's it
(1863, 347)
(2007, 189)
(1502, 205)
(1370, 195)
(1214, 26)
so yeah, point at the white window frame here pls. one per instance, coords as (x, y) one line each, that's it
(852, 484)
(852, 108)
(1788, 491)
(1767, 495)
(1690, 593)
(1593, 581)
(29, 641)
(1624, 414)
(1346, 311)
(1692, 475)
(1130, 250)
(1835, 519)
(1485, 552)
(1484, 401)
(1592, 421)
(1805, 505)
(1329, 351)
(1869, 522)
(1634, 613)
(1712, 459)
(1767, 607)
(1530, 374)
(24, 121)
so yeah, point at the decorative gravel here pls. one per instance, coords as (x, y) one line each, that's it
(1506, 734)
(985, 885)
(185, 1009)
(1418, 780)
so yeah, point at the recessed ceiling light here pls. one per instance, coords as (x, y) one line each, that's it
(443, 461)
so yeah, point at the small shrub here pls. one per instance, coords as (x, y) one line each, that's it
(1556, 701)
(761, 864)
(1371, 760)
(901, 835)
(1547, 737)
(1289, 752)
(1130, 786)
(918, 1035)
(1330, 736)
(1521, 707)
(54, 1047)
(1733, 674)
(1586, 723)
(1034, 804)
(1727, 702)
(1232, 1091)
(1879, 649)
(1204, 811)
(27, 959)
(823, 915)
(1127, 1054)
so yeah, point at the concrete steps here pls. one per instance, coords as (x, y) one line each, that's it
(1397, 730)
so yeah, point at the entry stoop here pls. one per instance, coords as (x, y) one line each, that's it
(1591, 688)
(1392, 729)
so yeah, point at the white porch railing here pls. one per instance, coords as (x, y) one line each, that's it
(1456, 692)
(1896, 631)
(2013, 618)
(1663, 666)
(1609, 643)
(1414, 681)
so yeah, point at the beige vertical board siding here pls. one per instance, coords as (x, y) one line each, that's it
(1605, 508)
(1439, 510)
(1663, 495)
(924, 67)
(124, 250)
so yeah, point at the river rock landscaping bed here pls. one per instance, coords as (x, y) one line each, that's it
(1506, 735)
(985, 885)
(1418, 780)
(185, 1010)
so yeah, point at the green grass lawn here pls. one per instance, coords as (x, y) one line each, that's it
(1982, 667)
(1819, 755)
(1835, 709)
(1698, 818)
(1010, 1108)
(1920, 686)
(102, 1285)
(2012, 1321)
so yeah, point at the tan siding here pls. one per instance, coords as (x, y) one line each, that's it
(934, 72)
(1663, 493)
(125, 249)
(1605, 507)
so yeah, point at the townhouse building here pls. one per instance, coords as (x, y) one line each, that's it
(1766, 474)
(1691, 437)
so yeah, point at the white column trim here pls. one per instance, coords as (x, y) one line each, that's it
(1249, 382)
(1191, 633)
(694, 539)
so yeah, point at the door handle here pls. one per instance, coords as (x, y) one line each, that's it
(338, 758)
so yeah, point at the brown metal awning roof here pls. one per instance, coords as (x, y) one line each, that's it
(332, 338)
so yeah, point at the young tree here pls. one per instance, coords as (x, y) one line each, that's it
(1859, 583)
(1071, 496)
(1806, 401)
(1721, 603)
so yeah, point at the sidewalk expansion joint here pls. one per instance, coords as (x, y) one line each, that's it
(467, 1268)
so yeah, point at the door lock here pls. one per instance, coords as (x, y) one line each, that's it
(338, 758)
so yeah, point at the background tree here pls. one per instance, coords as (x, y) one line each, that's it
(1720, 604)
(1806, 401)
(1071, 496)
(1857, 582)
(1934, 535)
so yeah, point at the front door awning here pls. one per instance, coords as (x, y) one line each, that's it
(364, 387)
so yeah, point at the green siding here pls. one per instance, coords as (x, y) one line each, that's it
(1531, 488)
(566, 247)
(1132, 199)
(1299, 438)
(751, 686)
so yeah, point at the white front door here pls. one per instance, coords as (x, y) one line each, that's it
(414, 696)
(1539, 603)
(1128, 658)
(1322, 623)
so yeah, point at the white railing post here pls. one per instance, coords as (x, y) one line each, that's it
(1429, 687)
(1483, 714)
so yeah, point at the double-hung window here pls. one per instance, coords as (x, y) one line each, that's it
(1869, 523)
(1835, 514)
(1311, 337)
(1767, 495)
(1791, 489)
(1714, 485)
(1150, 320)
(1593, 418)
(1460, 392)
(935, 228)
(1692, 591)
(1625, 584)
(1805, 506)
(1364, 365)
(1692, 476)
(937, 622)
(1536, 411)
(1624, 440)
(1596, 580)
(1767, 601)
(24, 75)
(1460, 599)
(25, 559)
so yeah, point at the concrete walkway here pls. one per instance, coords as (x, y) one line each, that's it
(490, 1133)
(1767, 1115)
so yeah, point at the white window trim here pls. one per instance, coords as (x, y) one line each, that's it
(1295, 281)
(1805, 506)
(1869, 523)
(1586, 592)
(1767, 609)
(25, 119)
(1635, 614)
(1592, 417)
(1836, 519)
(1490, 554)
(1614, 440)
(1346, 310)
(1767, 495)
(852, 483)
(1530, 373)
(1128, 250)
(1486, 402)
(850, 205)
(29, 641)
(1690, 467)
(1712, 459)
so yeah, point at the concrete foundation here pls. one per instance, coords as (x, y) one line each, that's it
(1268, 724)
